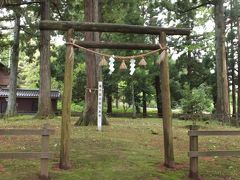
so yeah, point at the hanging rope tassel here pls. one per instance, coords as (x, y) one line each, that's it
(123, 66)
(142, 62)
(103, 62)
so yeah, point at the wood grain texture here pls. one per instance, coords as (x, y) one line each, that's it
(110, 27)
(166, 108)
(213, 133)
(28, 132)
(213, 153)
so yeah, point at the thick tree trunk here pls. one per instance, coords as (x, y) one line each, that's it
(189, 64)
(238, 61)
(138, 110)
(90, 112)
(233, 95)
(11, 106)
(166, 109)
(232, 62)
(96, 17)
(92, 70)
(144, 104)
(117, 98)
(109, 103)
(134, 115)
(222, 108)
(158, 95)
(44, 101)
(66, 109)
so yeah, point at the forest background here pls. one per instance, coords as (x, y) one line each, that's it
(194, 60)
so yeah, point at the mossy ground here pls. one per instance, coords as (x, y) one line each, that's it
(126, 149)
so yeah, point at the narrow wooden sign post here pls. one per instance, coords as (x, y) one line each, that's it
(100, 95)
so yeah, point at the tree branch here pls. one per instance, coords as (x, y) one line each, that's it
(17, 3)
(6, 28)
(198, 6)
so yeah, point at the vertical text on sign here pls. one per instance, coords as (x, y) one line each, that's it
(100, 94)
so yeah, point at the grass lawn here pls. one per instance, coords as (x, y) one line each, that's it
(126, 149)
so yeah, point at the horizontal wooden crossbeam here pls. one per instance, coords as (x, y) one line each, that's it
(213, 153)
(25, 155)
(109, 27)
(112, 45)
(213, 133)
(26, 132)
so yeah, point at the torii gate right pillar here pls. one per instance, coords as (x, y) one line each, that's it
(166, 108)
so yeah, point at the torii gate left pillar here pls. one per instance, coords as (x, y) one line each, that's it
(166, 108)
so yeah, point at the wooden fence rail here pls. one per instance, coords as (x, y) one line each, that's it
(44, 155)
(193, 148)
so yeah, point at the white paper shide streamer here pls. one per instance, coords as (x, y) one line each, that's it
(132, 66)
(111, 64)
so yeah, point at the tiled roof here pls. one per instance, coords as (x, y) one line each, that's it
(28, 93)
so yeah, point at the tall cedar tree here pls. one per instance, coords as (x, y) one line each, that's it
(92, 69)
(44, 104)
(11, 105)
(222, 107)
(238, 61)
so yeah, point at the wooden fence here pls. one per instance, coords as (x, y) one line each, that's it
(193, 146)
(44, 155)
(230, 119)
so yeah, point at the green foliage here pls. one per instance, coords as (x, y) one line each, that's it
(79, 82)
(196, 100)
(29, 72)
(194, 64)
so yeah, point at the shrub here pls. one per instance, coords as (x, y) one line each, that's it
(196, 100)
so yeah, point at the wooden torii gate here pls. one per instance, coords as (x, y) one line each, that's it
(70, 27)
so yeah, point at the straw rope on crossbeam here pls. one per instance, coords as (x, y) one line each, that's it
(123, 59)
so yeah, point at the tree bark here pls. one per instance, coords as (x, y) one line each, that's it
(232, 63)
(144, 101)
(90, 112)
(134, 115)
(222, 107)
(93, 74)
(11, 106)
(117, 97)
(189, 64)
(109, 103)
(233, 94)
(158, 95)
(66, 103)
(166, 109)
(238, 101)
(44, 101)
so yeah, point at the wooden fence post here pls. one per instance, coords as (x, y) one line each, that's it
(45, 148)
(193, 146)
